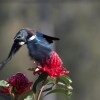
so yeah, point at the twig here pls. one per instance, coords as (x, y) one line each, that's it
(41, 89)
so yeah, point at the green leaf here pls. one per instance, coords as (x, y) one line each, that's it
(51, 80)
(41, 77)
(4, 83)
(26, 95)
(48, 89)
(62, 84)
(66, 79)
(68, 87)
(28, 98)
(11, 92)
(62, 91)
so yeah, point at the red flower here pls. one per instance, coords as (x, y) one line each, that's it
(5, 90)
(53, 66)
(20, 83)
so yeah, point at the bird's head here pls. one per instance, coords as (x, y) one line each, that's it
(20, 39)
(23, 36)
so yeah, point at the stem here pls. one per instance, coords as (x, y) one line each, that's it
(41, 89)
(15, 98)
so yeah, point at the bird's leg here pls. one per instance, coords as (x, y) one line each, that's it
(35, 63)
(31, 69)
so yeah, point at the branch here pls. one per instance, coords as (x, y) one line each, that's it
(41, 89)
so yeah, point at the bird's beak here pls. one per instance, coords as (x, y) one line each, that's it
(15, 47)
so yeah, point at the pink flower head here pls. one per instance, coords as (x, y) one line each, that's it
(53, 66)
(20, 83)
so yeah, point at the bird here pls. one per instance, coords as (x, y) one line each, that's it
(38, 44)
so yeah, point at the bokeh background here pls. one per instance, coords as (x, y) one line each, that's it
(77, 23)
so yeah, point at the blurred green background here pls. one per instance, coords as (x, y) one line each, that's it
(78, 26)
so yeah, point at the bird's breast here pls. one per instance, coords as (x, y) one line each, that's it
(38, 51)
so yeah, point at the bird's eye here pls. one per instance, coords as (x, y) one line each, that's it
(19, 36)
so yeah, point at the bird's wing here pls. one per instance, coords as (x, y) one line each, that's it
(50, 39)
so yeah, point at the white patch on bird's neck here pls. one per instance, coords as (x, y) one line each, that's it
(21, 43)
(32, 38)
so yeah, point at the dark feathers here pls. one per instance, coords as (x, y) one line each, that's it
(50, 39)
(47, 38)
